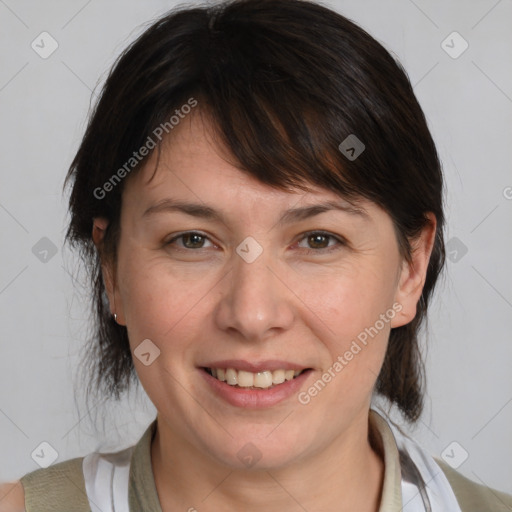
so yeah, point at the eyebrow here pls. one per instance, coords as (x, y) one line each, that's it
(288, 217)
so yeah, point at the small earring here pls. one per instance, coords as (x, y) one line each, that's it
(115, 317)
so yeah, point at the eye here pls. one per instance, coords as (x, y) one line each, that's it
(189, 240)
(320, 242)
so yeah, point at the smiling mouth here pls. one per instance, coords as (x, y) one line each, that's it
(259, 380)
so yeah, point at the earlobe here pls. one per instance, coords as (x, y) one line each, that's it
(414, 272)
(109, 281)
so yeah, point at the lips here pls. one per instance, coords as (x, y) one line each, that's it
(254, 384)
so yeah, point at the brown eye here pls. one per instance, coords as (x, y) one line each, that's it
(190, 240)
(318, 242)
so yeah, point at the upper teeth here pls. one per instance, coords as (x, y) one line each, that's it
(244, 379)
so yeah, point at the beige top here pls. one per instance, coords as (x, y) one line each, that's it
(61, 487)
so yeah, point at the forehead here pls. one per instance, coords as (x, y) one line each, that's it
(194, 160)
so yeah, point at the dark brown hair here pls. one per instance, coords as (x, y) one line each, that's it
(284, 82)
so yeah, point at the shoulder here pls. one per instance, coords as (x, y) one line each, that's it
(52, 489)
(12, 497)
(472, 496)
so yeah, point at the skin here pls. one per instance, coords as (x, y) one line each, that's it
(12, 497)
(207, 303)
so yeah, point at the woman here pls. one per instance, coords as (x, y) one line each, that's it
(259, 200)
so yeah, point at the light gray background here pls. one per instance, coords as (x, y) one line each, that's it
(44, 103)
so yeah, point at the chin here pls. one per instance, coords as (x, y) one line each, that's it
(258, 451)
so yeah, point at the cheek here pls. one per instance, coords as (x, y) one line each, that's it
(159, 300)
(166, 308)
(342, 304)
(351, 313)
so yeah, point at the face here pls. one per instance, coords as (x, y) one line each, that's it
(252, 286)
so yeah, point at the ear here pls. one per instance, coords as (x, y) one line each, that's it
(99, 229)
(413, 274)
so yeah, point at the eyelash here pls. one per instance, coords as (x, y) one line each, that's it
(325, 250)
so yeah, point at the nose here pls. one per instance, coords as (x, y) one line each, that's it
(255, 301)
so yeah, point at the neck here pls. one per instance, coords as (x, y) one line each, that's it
(346, 476)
